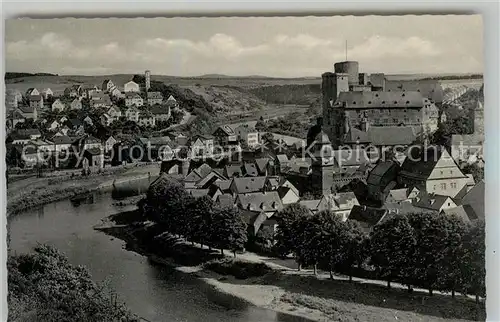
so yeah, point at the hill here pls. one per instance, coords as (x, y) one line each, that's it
(288, 94)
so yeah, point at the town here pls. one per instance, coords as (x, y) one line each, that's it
(379, 152)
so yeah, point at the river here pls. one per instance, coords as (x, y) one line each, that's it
(153, 292)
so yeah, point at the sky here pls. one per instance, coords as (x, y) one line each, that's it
(242, 46)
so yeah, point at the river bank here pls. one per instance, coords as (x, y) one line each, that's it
(34, 192)
(304, 296)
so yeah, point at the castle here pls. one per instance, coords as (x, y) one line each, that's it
(362, 107)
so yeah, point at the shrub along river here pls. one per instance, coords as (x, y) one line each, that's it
(155, 293)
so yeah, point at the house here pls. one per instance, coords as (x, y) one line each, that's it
(15, 117)
(225, 200)
(282, 162)
(288, 195)
(133, 99)
(36, 102)
(114, 112)
(248, 185)
(132, 114)
(247, 134)
(262, 166)
(104, 102)
(64, 130)
(161, 113)
(107, 85)
(434, 170)
(91, 92)
(196, 175)
(88, 120)
(131, 87)
(232, 170)
(106, 119)
(466, 213)
(258, 210)
(250, 170)
(47, 93)
(93, 159)
(97, 95)
(17, 138)
(109, 144)
(311, 205)
(154, 98)
(433, 202)
(398, 195)
(76, 104)
(146, 119)
(58, 106)
(339, 203)
(225, 135)
(31, 91)
(367, 217)
(54, 125)
(115, 92)
(28, 112)
(202, 145)
(73, 91)
(62, 143)
(476, 199)
(381, 179)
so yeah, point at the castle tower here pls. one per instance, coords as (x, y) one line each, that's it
(322, 164)
(147, 76)
(479, 119)
(332, 85)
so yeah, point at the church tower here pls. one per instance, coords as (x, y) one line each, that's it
(322, 164)
(147, 78)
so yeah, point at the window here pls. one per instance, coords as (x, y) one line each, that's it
(451, 171)
(453, 185)
(395, 120)
(434, 188)
(441, 172)
(443, 186)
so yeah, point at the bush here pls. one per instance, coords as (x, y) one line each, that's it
(238, 269)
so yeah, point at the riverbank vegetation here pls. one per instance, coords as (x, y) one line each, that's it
(419, 250)
(44, 286)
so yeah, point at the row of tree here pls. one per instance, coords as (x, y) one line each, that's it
(422, 250)
(197, 219)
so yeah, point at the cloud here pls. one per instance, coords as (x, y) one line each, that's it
(283, 55)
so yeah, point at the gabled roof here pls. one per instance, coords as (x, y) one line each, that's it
(466, 213)
(25, 109)
(341, 200)
(29, 131)
(225, 200)
(155, 95)
(431, 201)
(230, 170)
(351, 157)
(422, 161)
(378, 99)
(367, 216)
(171, 98)
(380, 171)
(398, 194)
(312, 205)
(197, 193)
(260, 201)
(158, 110)
(36, 98)
(132, 95)
(16, 115)
(250, 169)
(282, 191)
(224, 185)
(226, 129)
(63, 139)
(391, 135)
(282, 158)
(475, 198)
(261, 164)
(248, 185)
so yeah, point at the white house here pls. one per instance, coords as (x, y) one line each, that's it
(106, 119)
(54, 125)
(146, 119)
(131, 87)
(47, 93)
(133, 99)
(114, 112)
(132, 114)
(109, 143)
(76, 104)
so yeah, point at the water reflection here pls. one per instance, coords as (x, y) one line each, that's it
(154, 292)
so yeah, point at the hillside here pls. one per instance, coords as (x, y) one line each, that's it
(288, 94)
(227, 100)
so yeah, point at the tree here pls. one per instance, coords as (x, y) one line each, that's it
(200, 214)
(328, 240)
(44, 286)
(229, 230)
(353, 241)
(285, 233)
(430, 231)
(450, 264)
(473, 269)
(476, 171)
(392, 243)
